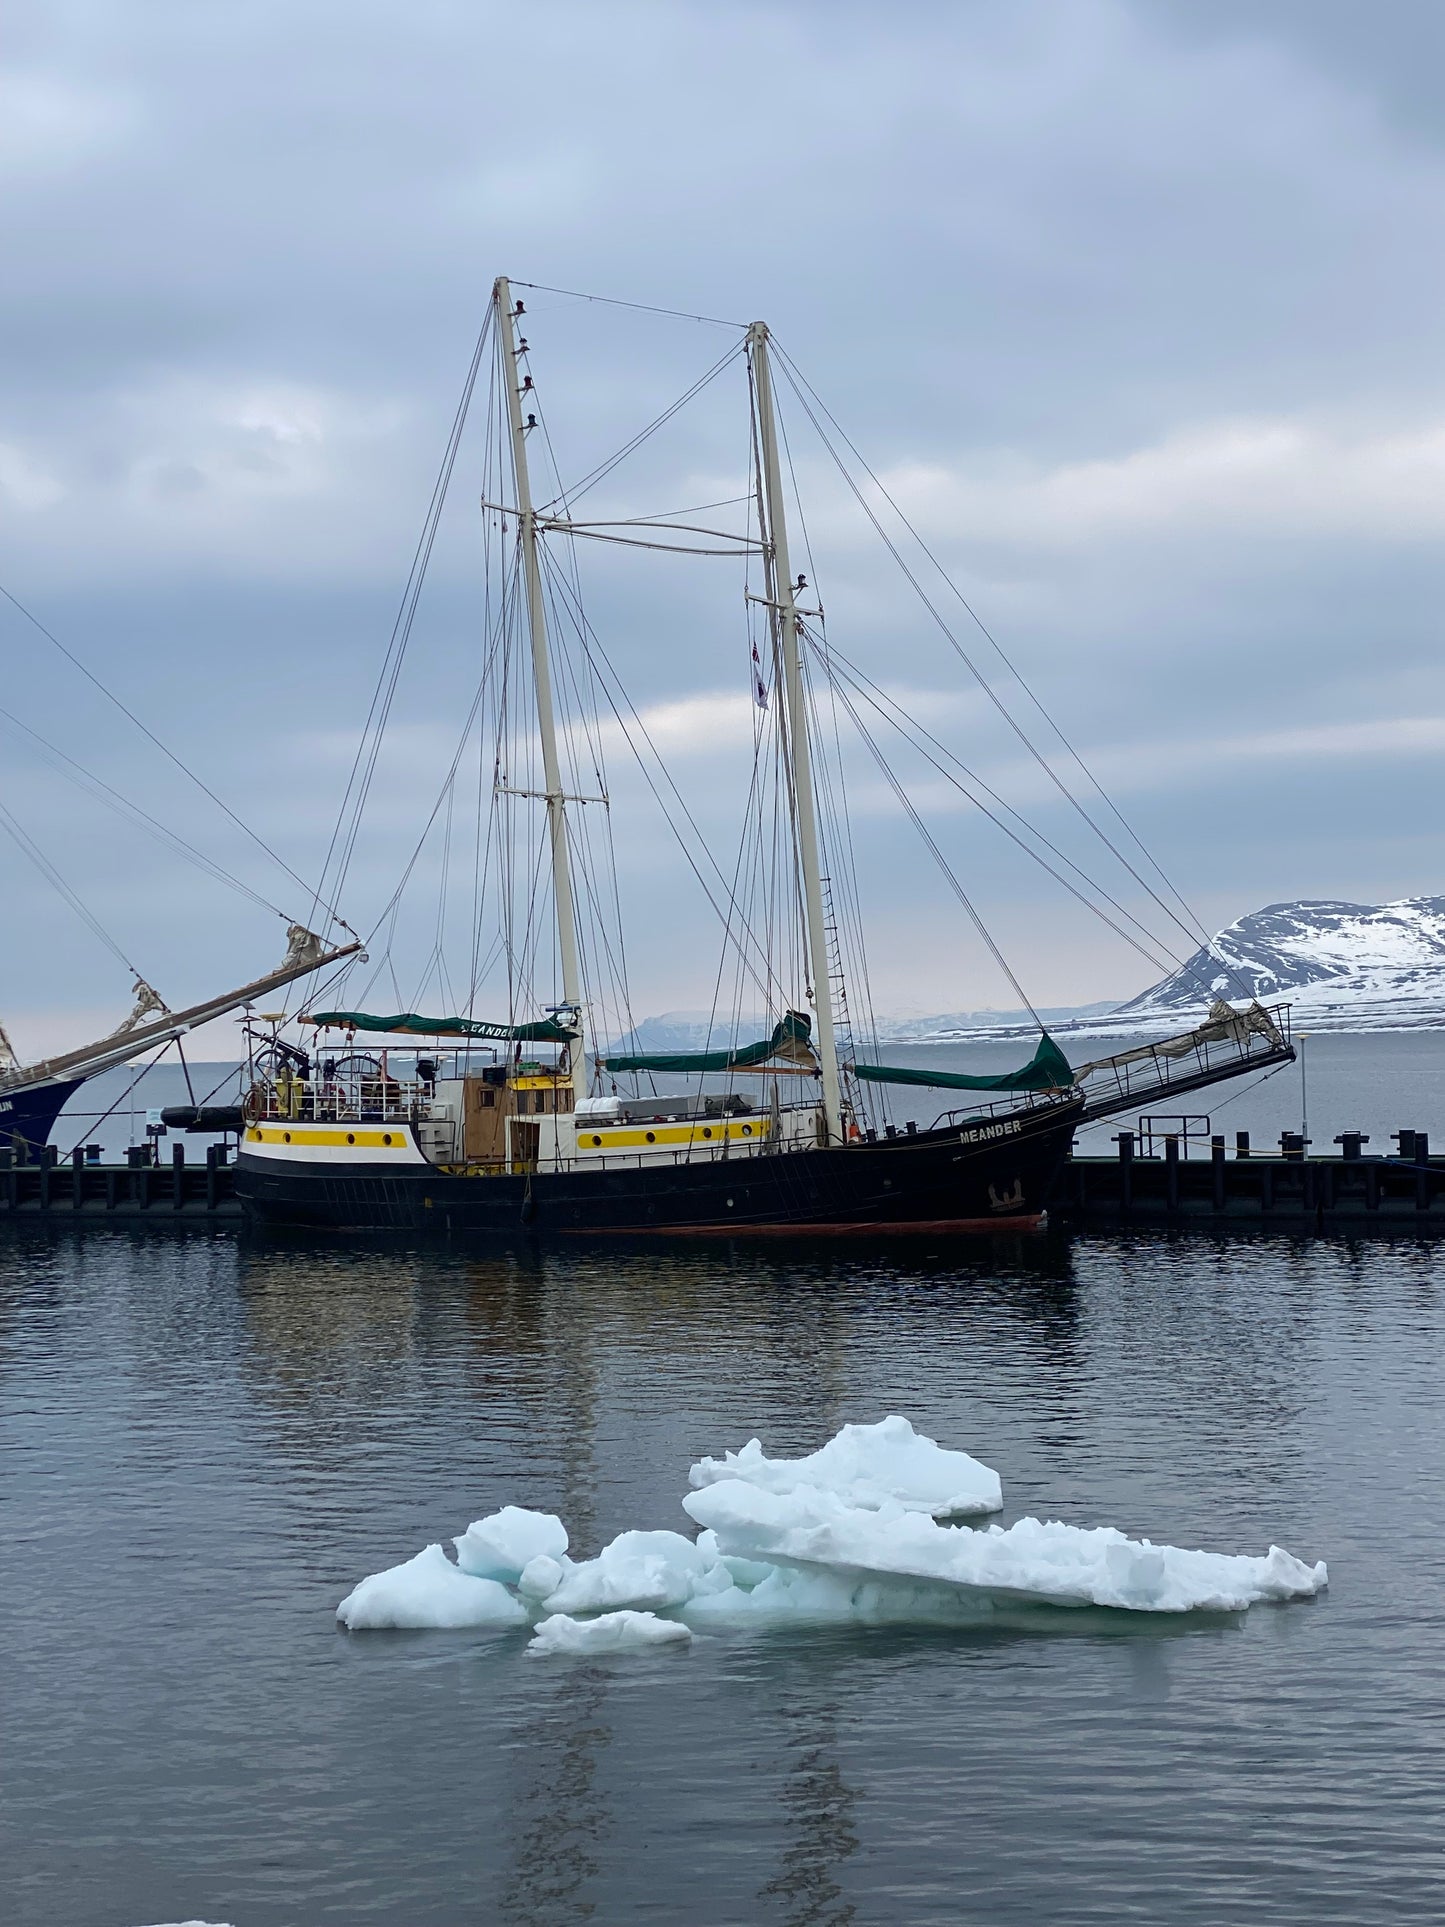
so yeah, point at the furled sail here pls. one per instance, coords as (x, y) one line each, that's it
(1224, 1025)
(547, 1030)
(1047, 1070)
(791, 1040)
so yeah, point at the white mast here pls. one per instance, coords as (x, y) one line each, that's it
(542, 677)
(799, 758)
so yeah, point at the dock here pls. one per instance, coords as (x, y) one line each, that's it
(1148, 1182)
(140, 1191)
(1282, 1189)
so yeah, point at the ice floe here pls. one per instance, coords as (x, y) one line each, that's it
(852, 1533)
(616, 1632)
(428, 1591)
(499, 1546)
(1051, 1563)
(867, 1466)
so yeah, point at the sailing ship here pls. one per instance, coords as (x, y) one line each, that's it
(366, 1120)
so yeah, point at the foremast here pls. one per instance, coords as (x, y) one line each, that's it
(783, 609)
(556, 800)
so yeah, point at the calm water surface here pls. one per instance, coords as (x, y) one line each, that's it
(207, 1441)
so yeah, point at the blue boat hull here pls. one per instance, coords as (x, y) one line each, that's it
(28, 1117)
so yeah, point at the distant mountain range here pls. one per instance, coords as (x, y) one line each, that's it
(1341, 966)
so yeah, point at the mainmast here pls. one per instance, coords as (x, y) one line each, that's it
(785, 610)
(542, 677)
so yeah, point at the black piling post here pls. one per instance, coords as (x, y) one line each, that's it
(1241, 1144)
(77, 1177)
(1422, 1170)
(178, 1175)
(45, 1169)
(1171, 1172)
(1125, 1142)
(1216, 1159)
(212, 1181)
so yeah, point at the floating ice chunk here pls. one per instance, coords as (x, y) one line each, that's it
(867, 1466)
(646, 1570)
(428, 1591)
(1055, 1564)
(499, 1546)
(618, 1632)
(541, 1576)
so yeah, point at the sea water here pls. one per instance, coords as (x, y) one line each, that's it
(206, 1440)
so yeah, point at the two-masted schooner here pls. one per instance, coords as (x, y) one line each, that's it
(392, 1120)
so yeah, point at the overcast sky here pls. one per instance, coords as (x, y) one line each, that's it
(1135, 306)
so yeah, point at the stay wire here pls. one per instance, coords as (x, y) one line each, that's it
(640, 307)
(97, 787)
(171, 756)
(978, 923)
(799, 383)
(911, 731)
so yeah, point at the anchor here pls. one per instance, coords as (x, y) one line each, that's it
(1011, 1200)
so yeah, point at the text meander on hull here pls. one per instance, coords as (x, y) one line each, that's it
(451, 1124)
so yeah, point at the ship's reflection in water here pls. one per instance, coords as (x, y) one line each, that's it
(257, 1425)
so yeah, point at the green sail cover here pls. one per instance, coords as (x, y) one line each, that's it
(1047, 1070)
(791, 1039)
(546, 1031)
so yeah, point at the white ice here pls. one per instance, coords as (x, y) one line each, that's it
(428, 1592)
(850, 1533)
(646, 1570)
(1052, 1563)
(867, 1466)
(499, 1546)
(616, 1632)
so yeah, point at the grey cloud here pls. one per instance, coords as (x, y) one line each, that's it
(1001, 241)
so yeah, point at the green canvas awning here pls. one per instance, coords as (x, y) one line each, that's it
(1047, 1070)
(791, 1039)
(407, 1023)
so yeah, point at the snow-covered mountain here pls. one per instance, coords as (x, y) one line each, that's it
(1342, 966)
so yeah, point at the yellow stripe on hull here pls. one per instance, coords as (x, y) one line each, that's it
(671, 1136)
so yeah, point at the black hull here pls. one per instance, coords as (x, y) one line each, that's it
(940, 1180)
(29, 1116)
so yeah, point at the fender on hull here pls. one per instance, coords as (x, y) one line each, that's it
(935, 1181)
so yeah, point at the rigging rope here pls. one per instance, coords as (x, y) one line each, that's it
(97, 787)
(171, 756)
(47, 869)
(641, 307)
(1198, 932)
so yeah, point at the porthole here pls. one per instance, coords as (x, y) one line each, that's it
(596, 1139)
(652, 1137)
(285, 1137)
(386, 1138)
(351, 1137)
(707, 1130)
(747, 1130)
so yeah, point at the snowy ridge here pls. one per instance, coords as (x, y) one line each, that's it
(1342, 966)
